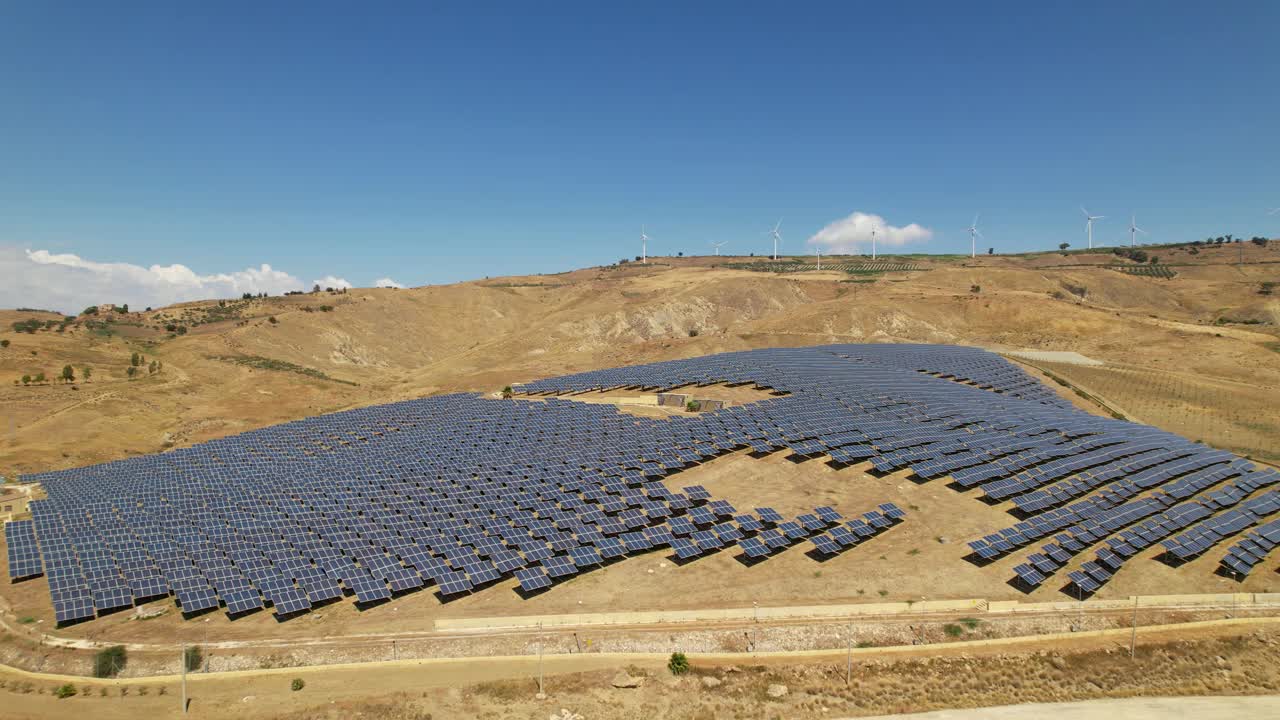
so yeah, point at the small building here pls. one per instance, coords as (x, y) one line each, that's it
(13, 503)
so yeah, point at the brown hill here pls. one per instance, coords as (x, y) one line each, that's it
(1198, 353)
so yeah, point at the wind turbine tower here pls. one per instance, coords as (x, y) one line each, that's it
(1089, 223)
(776, 237)
(1133, 228)
(644, 246)
(873, 242)
(717, 246)
(973, 237)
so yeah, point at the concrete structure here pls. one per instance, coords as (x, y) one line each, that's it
(13, 502)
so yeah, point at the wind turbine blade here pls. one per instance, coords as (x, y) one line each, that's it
(1086, 212)
(975, 219)
(978, 233)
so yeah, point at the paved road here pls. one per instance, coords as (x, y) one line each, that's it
(1200, 708)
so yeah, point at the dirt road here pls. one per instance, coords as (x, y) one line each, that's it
(1200, 708)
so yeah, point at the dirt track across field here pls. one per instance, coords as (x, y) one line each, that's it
(1202, 708)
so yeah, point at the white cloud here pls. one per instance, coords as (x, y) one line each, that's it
(69, 283)
(387, 283)
(852, 235)
(329, 281)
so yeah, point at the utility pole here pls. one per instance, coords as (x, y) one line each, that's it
(1133, 635)
(541, 690)
(184, 678)
(848, 663)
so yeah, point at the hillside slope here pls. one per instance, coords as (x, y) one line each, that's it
(1202, 345)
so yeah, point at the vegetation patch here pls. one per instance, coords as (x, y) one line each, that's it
(263, 363)
(109, 662)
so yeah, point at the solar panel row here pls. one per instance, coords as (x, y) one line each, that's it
(458, 491)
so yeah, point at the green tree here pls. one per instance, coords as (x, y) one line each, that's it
(68, 374)
(87, 372)
(131, 371)
(109, 662)
(91, 310)
(678, 664)
(26, 379)
(64, 691)
(297, 684)
(153, 367)
(507, 392)
(1064, 246)
(4, 343)
(39, 378)
(193, 658)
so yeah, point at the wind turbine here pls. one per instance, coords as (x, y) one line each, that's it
(777, 236)
(819, 248)
(644, 246)
(1133, 228)
(1089, 223)
(973, 236)
(717, 246)
(873, 242)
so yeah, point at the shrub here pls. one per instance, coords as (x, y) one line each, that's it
(297, 684)
(108, 663)
(975, 289)
(693, 406)
(27, 326)
(193, 658)
(678, 664)
(64, 691)
(4, 343)
(693, 332)
(952, 630)
(272, 320)
(507, 392)
(971, 623)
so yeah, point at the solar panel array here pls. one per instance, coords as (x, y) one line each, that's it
(458, 492)
(24, 554)
(1256, 545)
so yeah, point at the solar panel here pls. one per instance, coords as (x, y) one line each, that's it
(461, 490)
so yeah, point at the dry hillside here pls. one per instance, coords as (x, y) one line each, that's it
(1198, 353)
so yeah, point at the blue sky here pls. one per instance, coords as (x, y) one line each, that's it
(437, 143)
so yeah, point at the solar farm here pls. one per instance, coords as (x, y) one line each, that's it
(462, 495)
